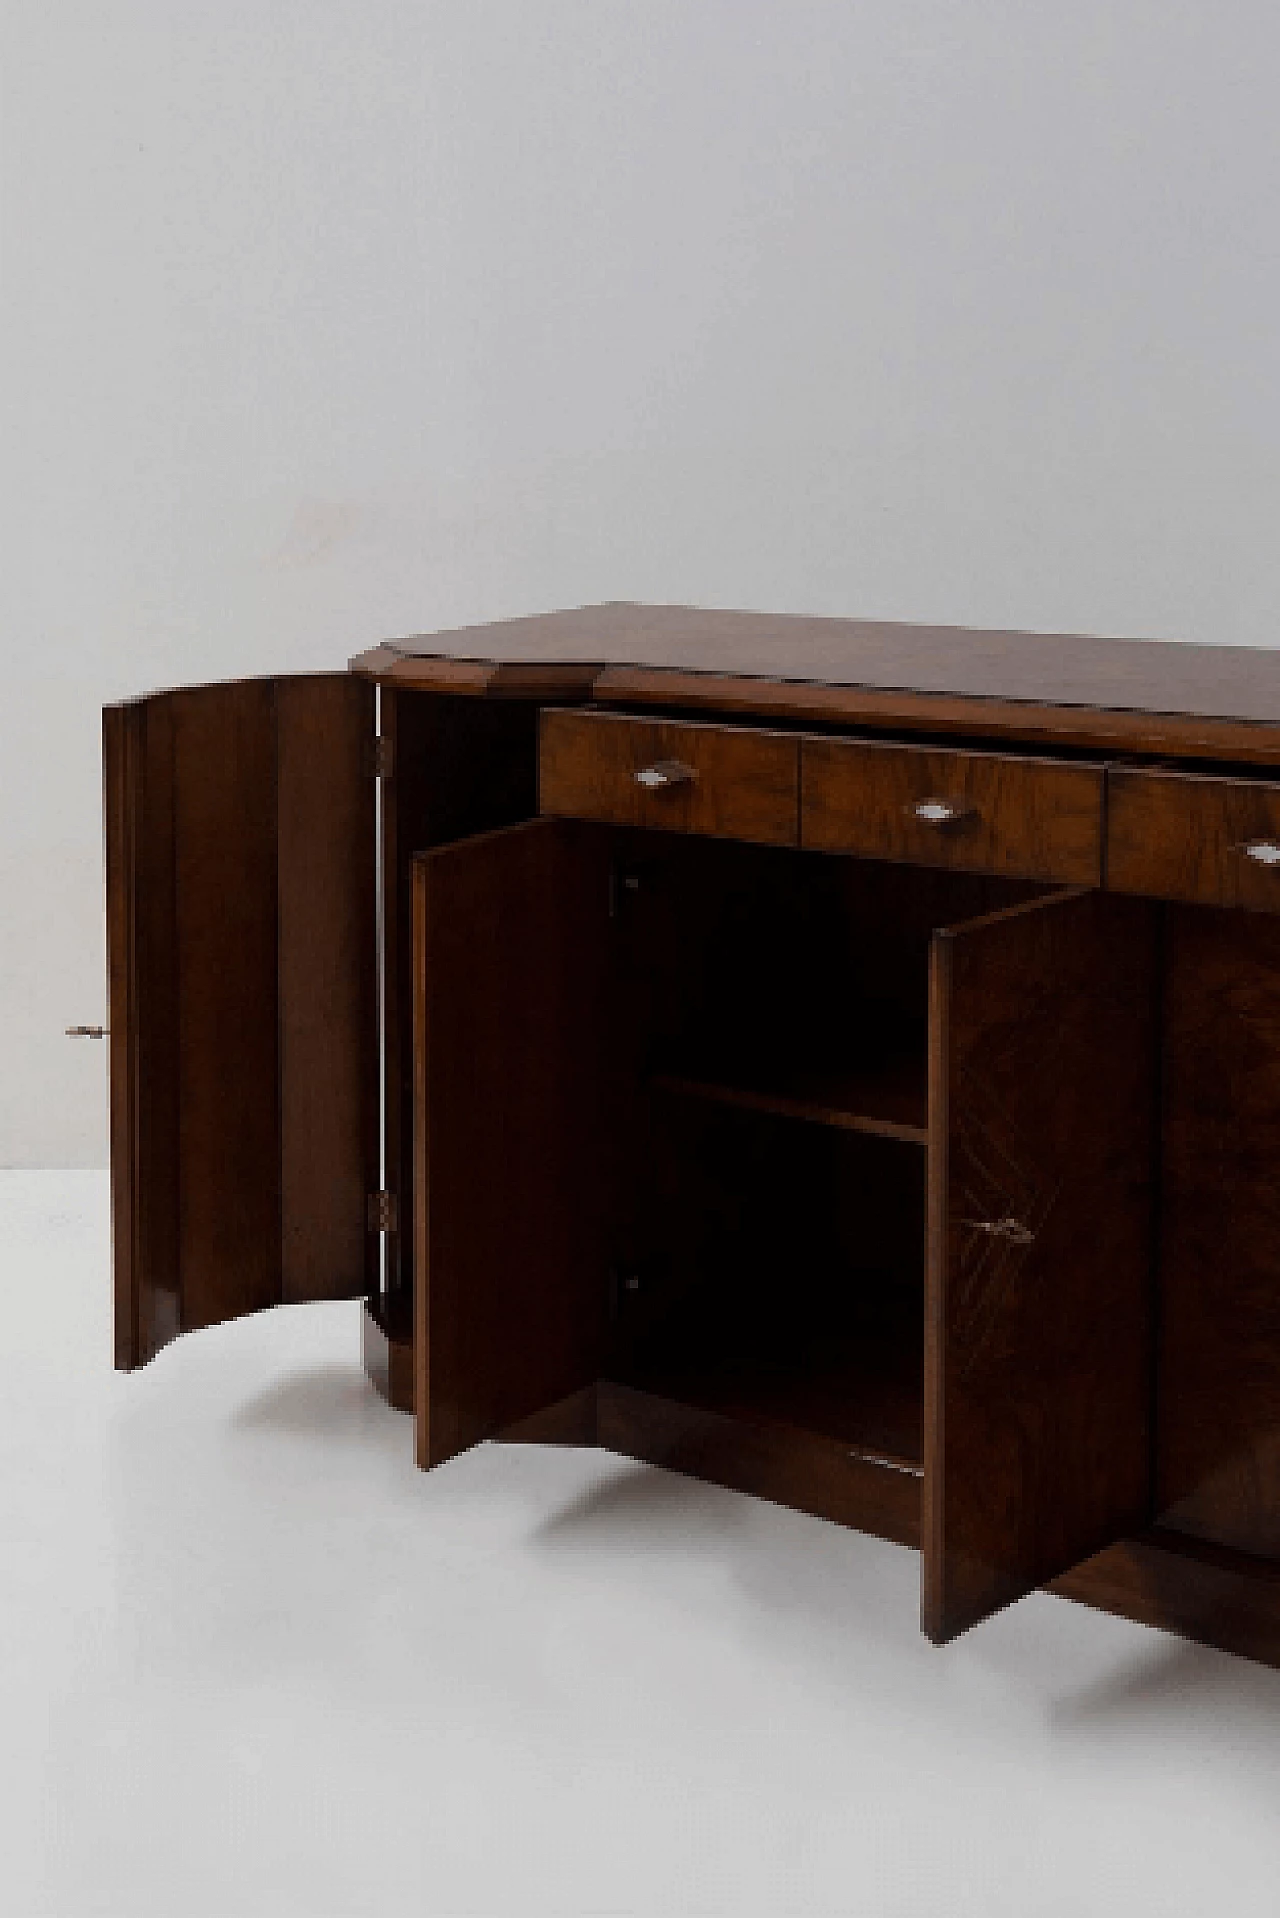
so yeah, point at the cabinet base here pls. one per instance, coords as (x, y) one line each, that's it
(387, 1348)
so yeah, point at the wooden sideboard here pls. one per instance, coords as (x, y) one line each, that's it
(837, 1060)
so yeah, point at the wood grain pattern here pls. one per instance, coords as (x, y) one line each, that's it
(988, 719)
(1180, 836)
(461, 766)
(327, 989)
(1059, 669)
(1038, 1346)
(1218, 1431)
(224, 810)
(243, 1035)
(1033, 819)
(1217, 702)
(511, 955)
(745, 783)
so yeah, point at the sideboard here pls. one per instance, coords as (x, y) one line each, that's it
(835, 1059)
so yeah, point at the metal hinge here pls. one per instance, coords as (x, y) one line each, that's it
(382, 757)
(383, 1212)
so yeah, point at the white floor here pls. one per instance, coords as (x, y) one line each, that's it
(252, 1661)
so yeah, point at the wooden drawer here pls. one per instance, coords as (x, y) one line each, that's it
(1215, 842)
(978, 812)
(727, 781)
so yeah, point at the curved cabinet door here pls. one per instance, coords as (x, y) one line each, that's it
(242, 982)
(511, 1070)
(1038, 1322)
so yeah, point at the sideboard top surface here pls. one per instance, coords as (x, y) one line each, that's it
(1148, 695)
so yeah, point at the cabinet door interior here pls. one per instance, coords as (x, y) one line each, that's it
(511, 957)
(1038, 1324)
(241, 955)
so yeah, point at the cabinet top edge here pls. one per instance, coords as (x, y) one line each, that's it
(1139, 695)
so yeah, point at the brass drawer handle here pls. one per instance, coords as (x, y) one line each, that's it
(1006, 1228)
(1263, 852)
(664, 774)
(939, 812)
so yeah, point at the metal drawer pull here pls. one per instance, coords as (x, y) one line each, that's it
(939, 812)
(1006, 1228)
(663, 774)
(1263, 852)
(88, 1032)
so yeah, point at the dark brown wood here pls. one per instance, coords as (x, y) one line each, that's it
(1038, 1329)
(461, 766)
(511, 954)
(785, 1465)
(1149, 696)
(327, 988)
(1181, 836)
(1182, 1585)
(393, 666)
(570, 1421)
(887, 1100)
(243, 1050)
(739, 783)
(142, 992)
(1218, 1431)
(386, 1337)
(951, 715)
(1033, 819)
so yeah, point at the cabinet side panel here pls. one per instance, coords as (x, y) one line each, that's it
(226, 982)
(141, 934)
(328, 1007)
(1218, 1425)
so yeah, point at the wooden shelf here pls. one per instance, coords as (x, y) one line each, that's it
(886, 1097)
(862, 1388)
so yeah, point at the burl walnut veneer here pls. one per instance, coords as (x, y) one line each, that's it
(837, 1060)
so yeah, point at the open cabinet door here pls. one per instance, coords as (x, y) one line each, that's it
(511, 1052)
(242, 985)
(1038, 1326)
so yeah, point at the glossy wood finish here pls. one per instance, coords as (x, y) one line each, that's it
(1038, 1329)
(1027, 818)
(1218, 1433)
(739, 783)
(783, 1464)
(460, 766)
(1217, 702)
(1180, 836)
(327, 990)
(511, 954)
(1183, 1585)
(240, 861)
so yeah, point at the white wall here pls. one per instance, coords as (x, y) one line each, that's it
(330, 319)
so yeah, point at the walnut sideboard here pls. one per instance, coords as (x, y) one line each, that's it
(837, 1060)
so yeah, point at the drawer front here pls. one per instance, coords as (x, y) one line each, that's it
(729, 782)
(976, 812)
(1215, 842)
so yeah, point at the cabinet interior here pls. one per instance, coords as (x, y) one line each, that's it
(771, 1023)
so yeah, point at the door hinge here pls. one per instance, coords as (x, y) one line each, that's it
(382, 757)
(383, 1212)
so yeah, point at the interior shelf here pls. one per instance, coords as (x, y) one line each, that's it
(885, 1097)
(861, 1386)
